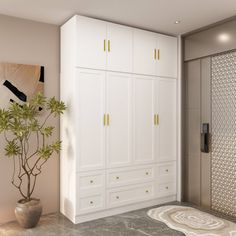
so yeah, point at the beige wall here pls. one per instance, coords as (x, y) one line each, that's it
(28, 42)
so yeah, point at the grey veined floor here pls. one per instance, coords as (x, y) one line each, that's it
(135, 223)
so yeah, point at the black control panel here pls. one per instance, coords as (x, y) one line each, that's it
(205, 138)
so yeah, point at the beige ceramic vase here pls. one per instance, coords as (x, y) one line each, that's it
(28, 213)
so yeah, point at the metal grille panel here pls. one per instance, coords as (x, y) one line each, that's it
(224, 133)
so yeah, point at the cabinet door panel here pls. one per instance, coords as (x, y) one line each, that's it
(143, 54)
(167, 119)
(119, 54)
(143, 119)
(91, 107)
(119, 108)
(167, 62)
(91, 34)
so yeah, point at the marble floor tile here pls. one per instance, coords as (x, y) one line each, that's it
(135, 223)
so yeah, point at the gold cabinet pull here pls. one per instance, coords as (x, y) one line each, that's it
(104, 45)
(104, 120)
(158, 54)
(155, 54)
(108, 119)
(109, 46)
(157, 119)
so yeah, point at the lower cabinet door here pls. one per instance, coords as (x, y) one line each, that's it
(167, 119)
(91, 203)
(166, 172)
(165, 189)
(119, 127)
(144, 130)
(129, 195)
(91, 181)
(127, 176)
(91, 108)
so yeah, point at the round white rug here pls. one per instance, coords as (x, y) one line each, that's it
(193, 222)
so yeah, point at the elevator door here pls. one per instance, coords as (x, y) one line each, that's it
(197, 112)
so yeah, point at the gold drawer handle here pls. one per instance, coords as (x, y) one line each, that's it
(117, 177)
(108, 119)
(147, 191)
(117, 197)
(109, 46)
(147, 173)
(167, 187)
(104, 45)
(104, 120)
(91, 202)
(157, 119)
(167, 170)
(91, 181)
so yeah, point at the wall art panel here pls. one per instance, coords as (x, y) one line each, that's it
(18, 82)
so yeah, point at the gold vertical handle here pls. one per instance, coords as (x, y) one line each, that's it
(109, 46)
(155, 54)
(158, 54)
(104, 45)
(104, 120)
(157, 119)
(108, 119)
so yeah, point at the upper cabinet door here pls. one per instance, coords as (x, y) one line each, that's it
(91, 110)
(119, 48)
(144, 130)
(167, 119)
(144, 61)
(166, 56)
(119, 127)
(92, 44)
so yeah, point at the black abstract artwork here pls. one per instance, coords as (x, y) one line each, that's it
(19, 82)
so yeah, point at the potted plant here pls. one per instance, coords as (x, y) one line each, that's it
(29, 145)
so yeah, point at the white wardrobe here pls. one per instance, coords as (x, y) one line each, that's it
(119, 132)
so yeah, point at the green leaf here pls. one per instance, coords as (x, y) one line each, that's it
(56, 107)
(56, 146)
(4, 119)
(47, 131)
(38, 100)
(45, 152)
(12, 149)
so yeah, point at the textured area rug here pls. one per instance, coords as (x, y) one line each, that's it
(192, 222)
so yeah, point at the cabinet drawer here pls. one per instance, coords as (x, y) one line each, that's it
(91, 203)
(91, 181)
(123, 196)
(166, 189)
(166, 172)
(129, 176)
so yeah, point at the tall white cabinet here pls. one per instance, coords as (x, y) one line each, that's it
(119, 132)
